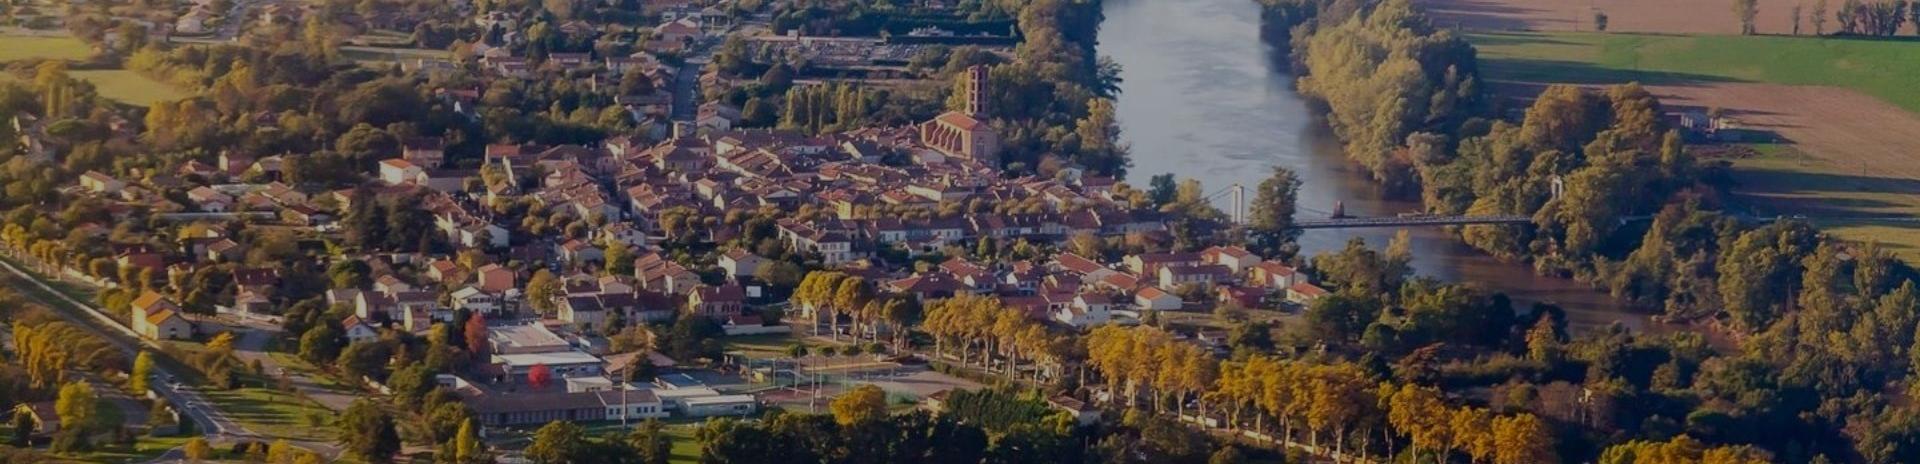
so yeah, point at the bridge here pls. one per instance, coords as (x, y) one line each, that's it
(1410, 221)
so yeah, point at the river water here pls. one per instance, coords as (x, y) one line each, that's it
(1204, 97)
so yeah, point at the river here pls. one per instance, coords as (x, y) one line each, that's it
(1205, 98)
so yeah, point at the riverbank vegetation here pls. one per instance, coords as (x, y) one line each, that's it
(1823, 327)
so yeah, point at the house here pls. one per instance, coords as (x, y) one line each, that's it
(1304, 293)
(584, 312)
(739, 263)
(1154, 298)
(96, 182)
(580, 252)
(157, 318)
(929, 287)
(717, 116)
(677, 32)
(716, 302)
(1150, 263)
(494, 278)
(425, 152)
(1086, 310)
(1177, 275)
(1273, 275)
(473, 299)
(1244, 297)
(398, 171)
(210, 200)
(358, 330)
(1233, 257)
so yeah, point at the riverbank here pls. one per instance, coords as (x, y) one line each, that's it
(1205, 98)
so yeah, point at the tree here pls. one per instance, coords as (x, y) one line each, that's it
(197, 449)
(1161, 189)
(1819, 17)
(22, 430)
(539, 376)
(466, 444)
(1274, 203)
(1521, 439)
(652, 442)
(1746, 10)
(142, 372)
(860, 406)
(75, 405)
(320, 344)
(476, 337)
(1227, 455)
(557, 442)
(367, 432)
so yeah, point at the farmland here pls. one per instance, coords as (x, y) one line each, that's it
(1648, 16)
(1837, 107)
(117, 84)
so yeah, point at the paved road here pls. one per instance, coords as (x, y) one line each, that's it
(215, 425)
(95, 320)
(252, 346)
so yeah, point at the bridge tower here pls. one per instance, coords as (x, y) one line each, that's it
(1239, 215)
(1339, 210)
(1558, 187)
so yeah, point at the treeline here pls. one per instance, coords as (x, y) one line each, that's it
(1382, 73)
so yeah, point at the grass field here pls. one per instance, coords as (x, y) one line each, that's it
(1884, 69)
(272, 413)
(29, 47)
(117, 84)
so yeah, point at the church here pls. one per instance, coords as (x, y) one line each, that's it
(966, 134)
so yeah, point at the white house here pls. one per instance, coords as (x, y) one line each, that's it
(1154, 298)
(1086, 310)
(739, 262)
(398, 171)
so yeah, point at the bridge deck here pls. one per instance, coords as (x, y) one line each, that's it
(1354, 223)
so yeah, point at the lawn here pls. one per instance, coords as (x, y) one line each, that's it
(13, 47)
(1844, 201)
(129, 87)
(271, 412)
(1884, 69)
(143, 450)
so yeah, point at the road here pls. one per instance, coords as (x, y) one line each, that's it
(96, 321)
(252, 346)
(215, 425)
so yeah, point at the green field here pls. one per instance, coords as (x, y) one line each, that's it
(1884, 69)
(117, 84)
(29, 47)
(272, 413)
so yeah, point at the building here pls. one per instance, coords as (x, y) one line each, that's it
(717, 302)
(966, 134)
(741, 263)
(157, 318)
(524, 339)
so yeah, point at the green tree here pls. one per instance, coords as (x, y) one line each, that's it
(1274, 204)
(75, 405)
(556, 443)
(652, 442)
(367, 432)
